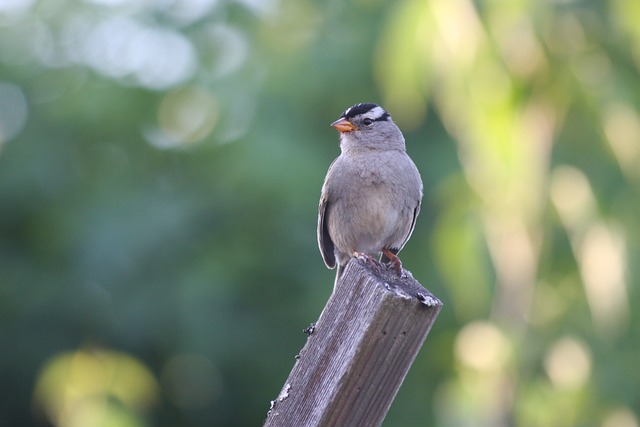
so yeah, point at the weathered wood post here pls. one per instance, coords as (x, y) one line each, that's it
(358, 352)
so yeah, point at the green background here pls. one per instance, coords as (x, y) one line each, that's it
(160, 168)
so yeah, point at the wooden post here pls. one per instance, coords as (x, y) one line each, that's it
(358, 352)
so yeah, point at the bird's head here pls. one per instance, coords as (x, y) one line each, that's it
(368, 125)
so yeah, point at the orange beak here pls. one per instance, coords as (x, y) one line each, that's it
(343, 125)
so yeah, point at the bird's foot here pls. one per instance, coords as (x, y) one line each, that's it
(368, 260)
(394, 261)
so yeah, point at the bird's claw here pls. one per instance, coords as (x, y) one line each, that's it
(368, 260)
(376, 266)
(394, 262)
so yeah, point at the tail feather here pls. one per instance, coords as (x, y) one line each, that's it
(339, 271)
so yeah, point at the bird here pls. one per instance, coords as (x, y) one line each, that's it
(371, 194)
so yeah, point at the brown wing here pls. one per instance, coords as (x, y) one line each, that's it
(324, 239)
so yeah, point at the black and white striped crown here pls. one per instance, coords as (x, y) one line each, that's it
(366, 110)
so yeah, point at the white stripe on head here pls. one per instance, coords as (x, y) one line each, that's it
(375, 113)
(365, 111)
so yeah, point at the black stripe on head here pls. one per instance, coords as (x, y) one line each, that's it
(363, 108)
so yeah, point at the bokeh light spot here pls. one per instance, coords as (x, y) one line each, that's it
(622, 129)
(460, 31)
(602, 266)
(571, 194)
(188, 11)
(482, 346)
(520, 48)
(9, 7)
(79, 388)
(568, 363)
(229, 49)
(154, 57)
(621, 417)
(185, 116)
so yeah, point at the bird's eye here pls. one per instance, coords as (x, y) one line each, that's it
(367, 122)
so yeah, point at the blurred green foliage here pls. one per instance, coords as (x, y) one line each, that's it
(160, 165)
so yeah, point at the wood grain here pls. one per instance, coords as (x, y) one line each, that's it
(359, 351)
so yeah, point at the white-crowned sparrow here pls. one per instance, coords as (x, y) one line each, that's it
(371, 195)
